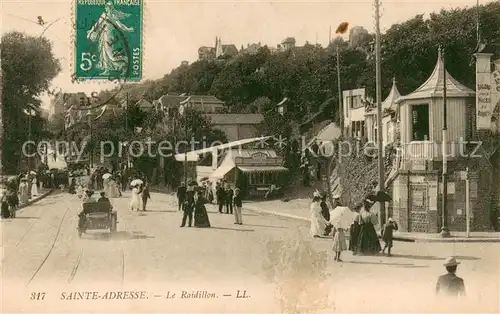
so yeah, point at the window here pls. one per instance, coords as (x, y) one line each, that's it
(420, 122)
(353, 128)
(362, 128)
(262, 178)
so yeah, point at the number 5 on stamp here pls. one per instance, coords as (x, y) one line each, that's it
(108, 39)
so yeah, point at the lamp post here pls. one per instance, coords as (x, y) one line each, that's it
(445, 232)
(184, 105)
(381, 170)
(340, 108)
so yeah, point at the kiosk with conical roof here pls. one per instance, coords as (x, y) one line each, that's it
(417, 188)
(421, 116)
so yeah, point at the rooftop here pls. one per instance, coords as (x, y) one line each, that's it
(249, 118)
(433, 87)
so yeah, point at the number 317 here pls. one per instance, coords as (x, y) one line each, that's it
(37, 296)
(87, 61)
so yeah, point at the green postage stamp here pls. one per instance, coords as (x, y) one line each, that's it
(108, 40)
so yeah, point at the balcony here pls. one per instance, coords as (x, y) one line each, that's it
(429, 150)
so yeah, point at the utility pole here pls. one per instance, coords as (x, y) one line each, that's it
(29, 138)
(91, 155)
(381, 170)
(126, 128)
(340, 108)
(445, 232)
(185, 151)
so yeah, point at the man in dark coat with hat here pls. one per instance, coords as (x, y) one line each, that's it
(450, 284)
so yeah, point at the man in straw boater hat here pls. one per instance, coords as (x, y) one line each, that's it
(450, 284)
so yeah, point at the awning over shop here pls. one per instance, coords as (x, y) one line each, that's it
(248, 169)
(220, 172)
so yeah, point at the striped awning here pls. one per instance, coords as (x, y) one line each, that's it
(262, 168)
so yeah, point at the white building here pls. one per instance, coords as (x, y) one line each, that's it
(354, 112)
(389, 122)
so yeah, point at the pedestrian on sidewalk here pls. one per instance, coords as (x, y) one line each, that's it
(339, 243)
(188, 207)
(23, 191)
(387, 235)
(229, 199)
(368, 242)
(318, 222)
(325, 212)
(354, 229)
(135, 200)
(145, 195)
(219, 193)
(238, 219)
(181, 195)
(450, 285)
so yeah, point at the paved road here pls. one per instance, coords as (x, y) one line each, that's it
(150, 252)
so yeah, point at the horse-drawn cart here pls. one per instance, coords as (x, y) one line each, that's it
(97, 216)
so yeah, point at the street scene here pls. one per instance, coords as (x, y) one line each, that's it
(346, 166)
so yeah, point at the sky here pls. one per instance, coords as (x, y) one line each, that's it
(174, 30)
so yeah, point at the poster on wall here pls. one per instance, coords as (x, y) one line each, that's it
(483, 101)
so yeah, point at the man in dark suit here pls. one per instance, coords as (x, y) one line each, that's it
(181, 195)
(188, 207)
(229, 199)
(450, 284)
(220, 195)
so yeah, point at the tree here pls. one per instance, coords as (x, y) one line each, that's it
(28, 66)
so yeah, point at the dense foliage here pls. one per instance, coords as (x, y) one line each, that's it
(307, 75)
(28, 66)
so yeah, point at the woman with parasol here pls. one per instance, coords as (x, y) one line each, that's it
(341, 219)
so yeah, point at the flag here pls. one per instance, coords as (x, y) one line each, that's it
(342, 28)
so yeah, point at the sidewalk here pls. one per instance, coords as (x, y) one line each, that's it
(43, 193)
(299, 209)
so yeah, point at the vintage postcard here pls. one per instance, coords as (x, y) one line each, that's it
(161, 156)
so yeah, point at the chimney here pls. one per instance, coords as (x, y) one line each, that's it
(484, 104)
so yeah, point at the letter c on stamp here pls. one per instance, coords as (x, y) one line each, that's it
(110, 47)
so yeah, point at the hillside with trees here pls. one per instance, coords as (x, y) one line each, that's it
(307, 75)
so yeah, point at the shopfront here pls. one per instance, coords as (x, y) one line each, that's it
(253, 171)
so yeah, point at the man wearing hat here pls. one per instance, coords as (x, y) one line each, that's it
(450, 284)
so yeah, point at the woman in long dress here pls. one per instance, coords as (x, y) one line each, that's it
(23, 191)
(113, 191)
(34, 188)
(354, 229)
(135, 199)
(318, 222)
(200, 212)
(368, 242)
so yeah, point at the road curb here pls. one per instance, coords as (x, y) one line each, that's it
(30, 202)
(396, 238)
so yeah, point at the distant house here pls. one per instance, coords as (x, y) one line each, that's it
(145, 105)
(251, 49)
(354, 112)
(287, 44)
(237, 126)
(204, 103)
(220, 51)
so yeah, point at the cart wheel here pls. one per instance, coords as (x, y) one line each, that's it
(112, 228)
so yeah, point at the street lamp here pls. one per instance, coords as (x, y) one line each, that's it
(183, 111)
(445, 232)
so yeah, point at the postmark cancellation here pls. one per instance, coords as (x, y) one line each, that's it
(108, 40)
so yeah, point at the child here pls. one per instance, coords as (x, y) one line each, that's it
(387, 233)
(339, 243)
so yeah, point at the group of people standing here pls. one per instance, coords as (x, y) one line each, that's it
(18, 191)
(229, 201)
(140, 196)
(363, 238)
